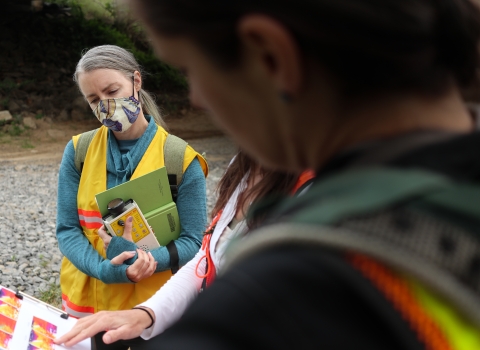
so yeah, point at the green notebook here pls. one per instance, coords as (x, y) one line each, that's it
(152, 194)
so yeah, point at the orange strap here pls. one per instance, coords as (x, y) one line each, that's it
(212, 225)
(397, 291)
(210, 269)
(302, 179)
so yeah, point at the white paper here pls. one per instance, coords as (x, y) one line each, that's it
(29, 324)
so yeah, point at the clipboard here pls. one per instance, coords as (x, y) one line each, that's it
(29, 323)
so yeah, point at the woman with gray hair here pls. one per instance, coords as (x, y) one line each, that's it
(116, 58)
(130, 143)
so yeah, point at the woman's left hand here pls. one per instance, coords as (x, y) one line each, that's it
(127, 233)
(106, 238)
(127, 229)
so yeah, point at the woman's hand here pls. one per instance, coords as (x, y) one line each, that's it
(127, 233)
(127, 324)
(127, 229)
(106, 238)
(143, 267)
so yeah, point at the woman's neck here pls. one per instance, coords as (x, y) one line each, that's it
(253, 179)
(397, 116)
(385, 118)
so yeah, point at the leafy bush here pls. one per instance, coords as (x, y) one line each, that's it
(15, 130)
(60, 40)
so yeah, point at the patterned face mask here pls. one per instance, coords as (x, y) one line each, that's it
(118, 114)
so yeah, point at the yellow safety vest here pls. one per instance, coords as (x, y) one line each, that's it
(83, 295)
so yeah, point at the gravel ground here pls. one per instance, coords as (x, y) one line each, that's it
(30, 258)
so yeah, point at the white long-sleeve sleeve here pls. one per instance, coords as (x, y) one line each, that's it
(170, 301)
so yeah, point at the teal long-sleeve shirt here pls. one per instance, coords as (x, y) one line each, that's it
(191, 204)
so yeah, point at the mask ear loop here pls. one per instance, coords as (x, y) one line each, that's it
(133, 87)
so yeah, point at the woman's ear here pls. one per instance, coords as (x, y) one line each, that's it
(137, 80)
(276, 48)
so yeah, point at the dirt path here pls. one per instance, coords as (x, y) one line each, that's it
(48, 140)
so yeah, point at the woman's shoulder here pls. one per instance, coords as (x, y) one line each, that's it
(68, 159)
(161, 130)
(69, 150)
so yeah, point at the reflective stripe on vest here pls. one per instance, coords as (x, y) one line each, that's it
(75, 310)
(82, 294)
(462, 334)
(438, 326)
(90, 219)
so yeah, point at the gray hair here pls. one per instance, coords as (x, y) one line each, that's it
(117, 58)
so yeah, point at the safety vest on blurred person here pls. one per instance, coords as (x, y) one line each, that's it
(406, 231)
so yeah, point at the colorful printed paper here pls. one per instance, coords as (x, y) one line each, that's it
(29, 324)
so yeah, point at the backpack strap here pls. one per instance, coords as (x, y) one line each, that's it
(320, 218)
(84, 141)
(346, 240)
(174, 153)
(357, 192)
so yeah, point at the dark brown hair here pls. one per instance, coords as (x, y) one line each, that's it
(271, 183)
(369, 45)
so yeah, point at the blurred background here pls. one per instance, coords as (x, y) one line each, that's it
(40, 44)
(41, 109)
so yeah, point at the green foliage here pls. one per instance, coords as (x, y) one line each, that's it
(43, 262)
(27, 144)
(7, 85)
(75, 34)
(111, 9)
(4, 103)
(15, 130)
(52, 295)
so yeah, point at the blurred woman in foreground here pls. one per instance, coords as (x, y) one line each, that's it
(383, 251)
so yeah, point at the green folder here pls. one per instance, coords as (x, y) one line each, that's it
(152, 194)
